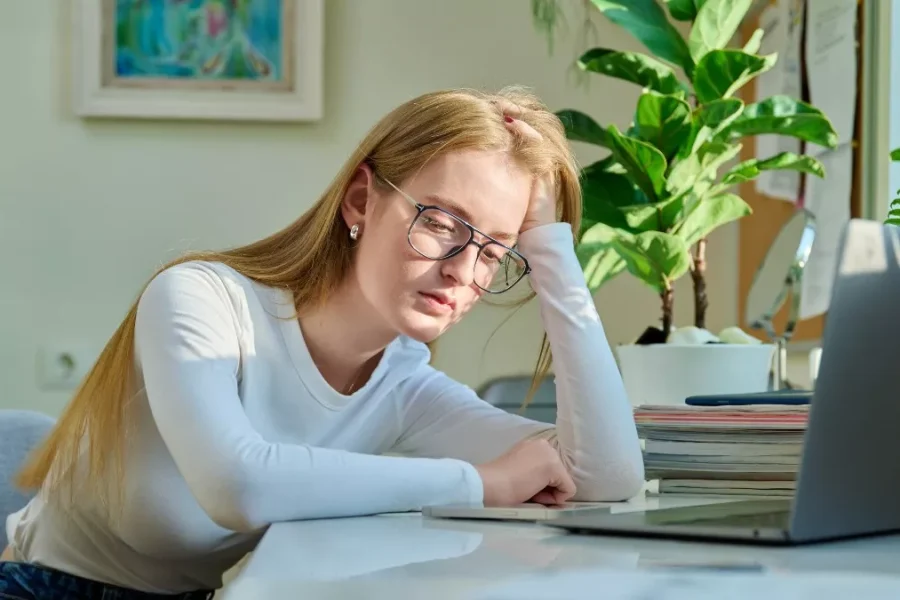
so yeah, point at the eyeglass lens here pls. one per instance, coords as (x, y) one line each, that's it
(436, 234)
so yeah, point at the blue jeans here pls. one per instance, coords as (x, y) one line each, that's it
(23, 581)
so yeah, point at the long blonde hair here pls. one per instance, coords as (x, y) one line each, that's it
(310, 258)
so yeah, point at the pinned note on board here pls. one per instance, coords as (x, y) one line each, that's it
(782, 22)
(831, 71)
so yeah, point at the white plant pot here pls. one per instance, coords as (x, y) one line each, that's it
(669, 373)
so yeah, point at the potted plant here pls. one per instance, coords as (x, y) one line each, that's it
(670, 179)
(893, 217)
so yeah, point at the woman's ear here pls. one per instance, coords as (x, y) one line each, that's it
(357, 198)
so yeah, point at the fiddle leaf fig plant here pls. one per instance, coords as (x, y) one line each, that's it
(670, 177)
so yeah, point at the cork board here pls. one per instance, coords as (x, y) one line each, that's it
(758, 230)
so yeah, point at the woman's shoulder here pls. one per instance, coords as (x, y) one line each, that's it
(202, 285)
(203, 275)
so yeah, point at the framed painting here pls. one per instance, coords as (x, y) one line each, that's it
(252, 60)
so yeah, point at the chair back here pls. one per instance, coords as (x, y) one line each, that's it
(508, 393)
(20, 432)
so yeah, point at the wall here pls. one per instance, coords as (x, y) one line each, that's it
(894, 126)
(88, 210)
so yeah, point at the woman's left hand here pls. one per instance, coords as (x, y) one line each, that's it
(542, 205)
(543, 201)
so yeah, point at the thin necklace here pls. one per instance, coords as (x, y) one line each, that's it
(349, 390)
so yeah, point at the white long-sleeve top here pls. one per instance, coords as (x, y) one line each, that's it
(234, 428)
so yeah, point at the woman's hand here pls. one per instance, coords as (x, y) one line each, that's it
(544, 193)
(542, 205)
(531, 471)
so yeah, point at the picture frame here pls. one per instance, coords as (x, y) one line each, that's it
(199, 59)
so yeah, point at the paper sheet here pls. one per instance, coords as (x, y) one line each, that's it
(831, 64)
(829, 200)
(717, 582)
(782, 23)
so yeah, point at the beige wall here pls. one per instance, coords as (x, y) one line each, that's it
(87, 210)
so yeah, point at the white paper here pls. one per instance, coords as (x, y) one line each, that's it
(782, 23)
(831, 64)
(829, 200)
(687, 583)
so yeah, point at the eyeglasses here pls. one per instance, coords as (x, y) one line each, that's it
(438, 234)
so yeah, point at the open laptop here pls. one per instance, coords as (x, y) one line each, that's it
(849, 479)
(519, 512)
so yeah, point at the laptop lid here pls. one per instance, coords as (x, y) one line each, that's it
(849, 476)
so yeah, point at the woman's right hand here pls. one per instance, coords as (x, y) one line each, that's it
(530, 471)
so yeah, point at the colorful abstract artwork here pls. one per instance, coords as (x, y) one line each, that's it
(211, 43)
(199, 59)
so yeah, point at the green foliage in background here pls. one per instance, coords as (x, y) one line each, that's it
(667, 183)
(893, 216)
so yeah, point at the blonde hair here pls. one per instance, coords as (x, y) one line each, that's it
(310, 258)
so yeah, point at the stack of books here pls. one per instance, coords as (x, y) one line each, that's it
(751, 450)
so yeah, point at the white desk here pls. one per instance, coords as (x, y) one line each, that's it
(401, 557)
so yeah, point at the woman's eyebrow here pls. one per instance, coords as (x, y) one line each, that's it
(461, 212)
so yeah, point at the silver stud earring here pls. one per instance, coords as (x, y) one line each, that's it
(354, 232)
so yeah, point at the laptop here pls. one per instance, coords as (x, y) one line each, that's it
(518, 512)
(848, 484)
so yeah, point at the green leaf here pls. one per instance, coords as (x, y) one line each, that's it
(784, 161)
(719, 112)
(664, 121)
(645, 165)
(646, 21)
(715, 25)
(655, 258)
(711, 213)
(755, 42)
(633, 67)
(661, 216)
(604, 192)
(709, 119)
(682, 10)
(599, 260)
(580, 127)
(895, 154)
(698, 171)
(785, 116)
(721, 73)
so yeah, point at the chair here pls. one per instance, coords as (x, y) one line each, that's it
(508, 393)
(20, 432)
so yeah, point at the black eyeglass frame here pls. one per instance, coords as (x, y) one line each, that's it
(420, 208)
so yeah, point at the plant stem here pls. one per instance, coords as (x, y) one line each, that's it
(698, 275)
(668, 306)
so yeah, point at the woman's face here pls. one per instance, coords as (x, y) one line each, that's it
(414, 295)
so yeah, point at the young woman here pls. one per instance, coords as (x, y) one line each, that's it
(290, 378)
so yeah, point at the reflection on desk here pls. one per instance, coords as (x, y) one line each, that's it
(407, 556)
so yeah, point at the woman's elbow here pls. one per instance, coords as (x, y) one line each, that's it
(614, 485)
(230, 502)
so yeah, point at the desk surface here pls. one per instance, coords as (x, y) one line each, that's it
(408, 556)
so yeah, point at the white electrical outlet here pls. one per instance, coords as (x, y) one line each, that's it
(64, 366)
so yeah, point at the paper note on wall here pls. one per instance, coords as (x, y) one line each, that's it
(782, 24)
(831, 64)
(829, 200)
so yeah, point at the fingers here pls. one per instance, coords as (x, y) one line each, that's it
(508, 108)
(563, 483)
(547, 497)
(512, 117)
(521, 128)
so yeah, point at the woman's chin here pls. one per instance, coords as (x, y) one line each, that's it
(421, 327)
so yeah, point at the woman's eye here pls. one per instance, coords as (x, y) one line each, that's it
(437, 225)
